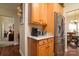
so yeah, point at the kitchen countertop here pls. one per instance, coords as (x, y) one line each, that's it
(41, 37)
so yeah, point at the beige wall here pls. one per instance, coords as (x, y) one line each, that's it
(26, 29)
(22, 37)
(24, 32)
(22, 40)
(16, 29)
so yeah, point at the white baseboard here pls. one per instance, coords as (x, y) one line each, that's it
(21, 53)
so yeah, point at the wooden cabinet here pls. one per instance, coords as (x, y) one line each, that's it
(43, 13)
(43, 47)
(39, 14)
(41, 51)
(32, 47)
(35, 13)
(51, 47)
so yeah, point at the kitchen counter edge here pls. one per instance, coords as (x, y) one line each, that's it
(41, 37)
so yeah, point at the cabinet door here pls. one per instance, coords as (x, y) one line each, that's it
(50, 47)
(35, 12)
(42, 51)
(47, 49)
(43, 13)
(42, 47)
(32, 47)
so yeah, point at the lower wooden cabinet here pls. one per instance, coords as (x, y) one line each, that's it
(41, 51)
(43, 47)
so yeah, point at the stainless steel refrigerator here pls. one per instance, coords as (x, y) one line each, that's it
(59, 40)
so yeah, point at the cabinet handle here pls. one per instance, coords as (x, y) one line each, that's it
(48, 46)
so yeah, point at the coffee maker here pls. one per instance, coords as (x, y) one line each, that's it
(35, 31)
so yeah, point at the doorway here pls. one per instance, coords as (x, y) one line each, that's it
(8, 30)
(72, 31)
(8, 23)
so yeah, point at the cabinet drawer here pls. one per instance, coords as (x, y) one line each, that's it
(50, 44)
(50, 40)
(42, 42)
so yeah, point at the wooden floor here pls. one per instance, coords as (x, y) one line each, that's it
(14, 51)
(72, 51)
(10, 51)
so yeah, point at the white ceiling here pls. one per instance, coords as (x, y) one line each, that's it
(70, 6)
(8, 6)
(8, 9)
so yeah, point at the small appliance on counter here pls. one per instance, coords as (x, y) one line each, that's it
(36, 32)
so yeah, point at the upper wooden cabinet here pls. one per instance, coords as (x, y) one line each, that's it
(43, 13)
(35, 13)
(39, 14)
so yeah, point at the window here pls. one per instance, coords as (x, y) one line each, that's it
(72, 27)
